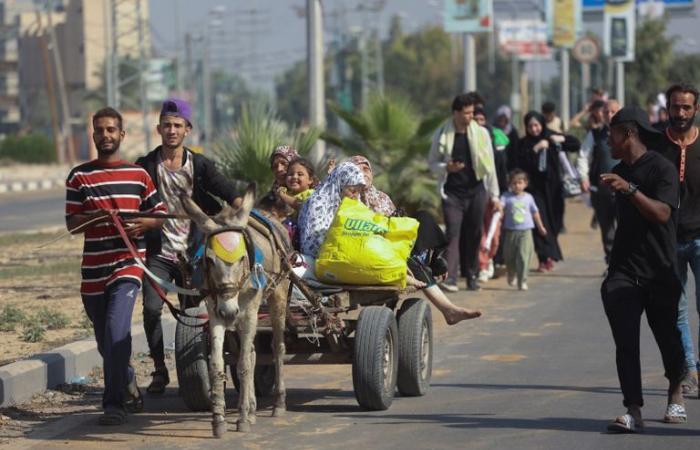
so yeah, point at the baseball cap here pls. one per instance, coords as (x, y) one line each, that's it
(634, 114)
(177, 108)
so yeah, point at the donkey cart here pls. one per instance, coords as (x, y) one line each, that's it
(388, 347)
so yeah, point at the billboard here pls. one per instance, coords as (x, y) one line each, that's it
(526, 39)
(565, 22)
(618, 34)
(468, 16)
(593, 5)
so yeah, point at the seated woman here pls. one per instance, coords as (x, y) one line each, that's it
(317, 214)
(279, 164)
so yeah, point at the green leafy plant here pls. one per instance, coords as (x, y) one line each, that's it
(33, 332)
(244, 155)
(30, 148)
(52, 320)
(10, 317)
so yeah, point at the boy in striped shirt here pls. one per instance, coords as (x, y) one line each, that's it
(110, 277)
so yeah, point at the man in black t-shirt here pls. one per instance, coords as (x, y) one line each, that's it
(643, 273)
(681, 146)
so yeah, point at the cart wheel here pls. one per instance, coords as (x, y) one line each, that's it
(375, 361)
(415, 347)
(263, 378)
(192, 361)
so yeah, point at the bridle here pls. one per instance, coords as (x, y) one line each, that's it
(213, 291)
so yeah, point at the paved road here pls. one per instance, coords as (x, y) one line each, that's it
(34, 210)
(536, 372)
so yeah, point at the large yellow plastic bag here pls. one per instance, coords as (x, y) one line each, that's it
(363, 247)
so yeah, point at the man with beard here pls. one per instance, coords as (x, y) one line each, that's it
(682, 147)
(595, 158)
(172, 166)
(110, 277)
(643, 272)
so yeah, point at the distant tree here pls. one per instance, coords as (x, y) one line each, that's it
(653, 62)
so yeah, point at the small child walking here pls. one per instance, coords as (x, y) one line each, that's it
(520, 216)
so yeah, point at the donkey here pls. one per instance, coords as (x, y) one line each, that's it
(233, 295)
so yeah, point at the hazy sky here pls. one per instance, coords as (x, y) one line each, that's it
(260, 38)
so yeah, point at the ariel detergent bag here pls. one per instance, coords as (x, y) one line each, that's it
(366, 248)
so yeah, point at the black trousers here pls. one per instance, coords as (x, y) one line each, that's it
(625, 298)
(153, 305)
(464, 218)
(603, 202)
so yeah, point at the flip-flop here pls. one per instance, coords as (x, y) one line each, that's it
(133, 400)
(675, 413)
(625, 424)
(112, 416)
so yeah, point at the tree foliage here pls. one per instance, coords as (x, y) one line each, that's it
(396, 139)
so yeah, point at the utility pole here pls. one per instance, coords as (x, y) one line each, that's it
(142, 76)
(317, 110)
(109, 49)
(565, 93)
(67, 135)
(469, 50)
(620, 84)
(58, 141)
(180, 73)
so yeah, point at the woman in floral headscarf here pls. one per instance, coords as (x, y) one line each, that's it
(279, 162)
(375, 199)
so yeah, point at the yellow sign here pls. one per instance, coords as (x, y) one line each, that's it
(565, 22)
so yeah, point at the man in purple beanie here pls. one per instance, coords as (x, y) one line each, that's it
(172, 165)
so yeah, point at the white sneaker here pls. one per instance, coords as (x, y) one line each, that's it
(448, 286)
(523, 286)
(483, 276)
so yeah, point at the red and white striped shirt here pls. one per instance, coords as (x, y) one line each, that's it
(121, 186)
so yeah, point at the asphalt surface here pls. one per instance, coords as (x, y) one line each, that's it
(34, 210)
(537, 371)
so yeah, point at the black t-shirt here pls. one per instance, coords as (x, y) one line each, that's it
(462, 184)
(641, 248)
(689, 211)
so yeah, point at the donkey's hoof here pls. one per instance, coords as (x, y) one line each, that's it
(219, 429)
(279, 411)
(243, 426)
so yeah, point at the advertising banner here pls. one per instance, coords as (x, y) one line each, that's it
(468, 16)
(566, 22)
(593, 5)
(619, 28)
(526, 39)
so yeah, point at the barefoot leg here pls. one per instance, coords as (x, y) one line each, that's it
(452, 313)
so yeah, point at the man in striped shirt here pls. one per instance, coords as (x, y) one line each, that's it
(110, 277)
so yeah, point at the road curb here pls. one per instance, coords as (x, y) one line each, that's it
(33, 185)
(20, 380)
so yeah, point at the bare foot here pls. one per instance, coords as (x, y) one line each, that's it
(457, 315)
(410, 281)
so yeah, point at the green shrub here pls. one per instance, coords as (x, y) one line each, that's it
(10, 317)
(33, 332)
(30, 148)
(52, 320)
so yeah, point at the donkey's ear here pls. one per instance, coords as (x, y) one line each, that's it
(204, 222)
(243, 212)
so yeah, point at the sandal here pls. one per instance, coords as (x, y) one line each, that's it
(112, 416)
(133, 400)
(160, 380)
(675, 413)
(625, 424)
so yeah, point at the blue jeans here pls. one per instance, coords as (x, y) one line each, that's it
(110, 314)
(688, 254)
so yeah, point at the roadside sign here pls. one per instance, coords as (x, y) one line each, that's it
(468, 16)
(526, 39)
(586, 50)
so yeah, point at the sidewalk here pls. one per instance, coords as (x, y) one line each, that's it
(32, 177)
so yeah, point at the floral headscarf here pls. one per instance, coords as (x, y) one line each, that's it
(377, 200)
(286, 151)
(319, 210)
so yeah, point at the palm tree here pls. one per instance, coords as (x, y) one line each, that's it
(396, 139)
(244, 155)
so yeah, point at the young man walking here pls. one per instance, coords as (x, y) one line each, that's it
(172, 166)
(110, 277)
(461, 156)
(643, 273)
(681, 146)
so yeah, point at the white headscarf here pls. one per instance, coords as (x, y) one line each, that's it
(319, 210)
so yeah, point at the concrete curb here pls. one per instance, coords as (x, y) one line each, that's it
(33, 185)
(20, 380)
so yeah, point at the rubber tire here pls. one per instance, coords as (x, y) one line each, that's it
(192, 361)
(263, 378)
(414, 317)
(374, 325)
